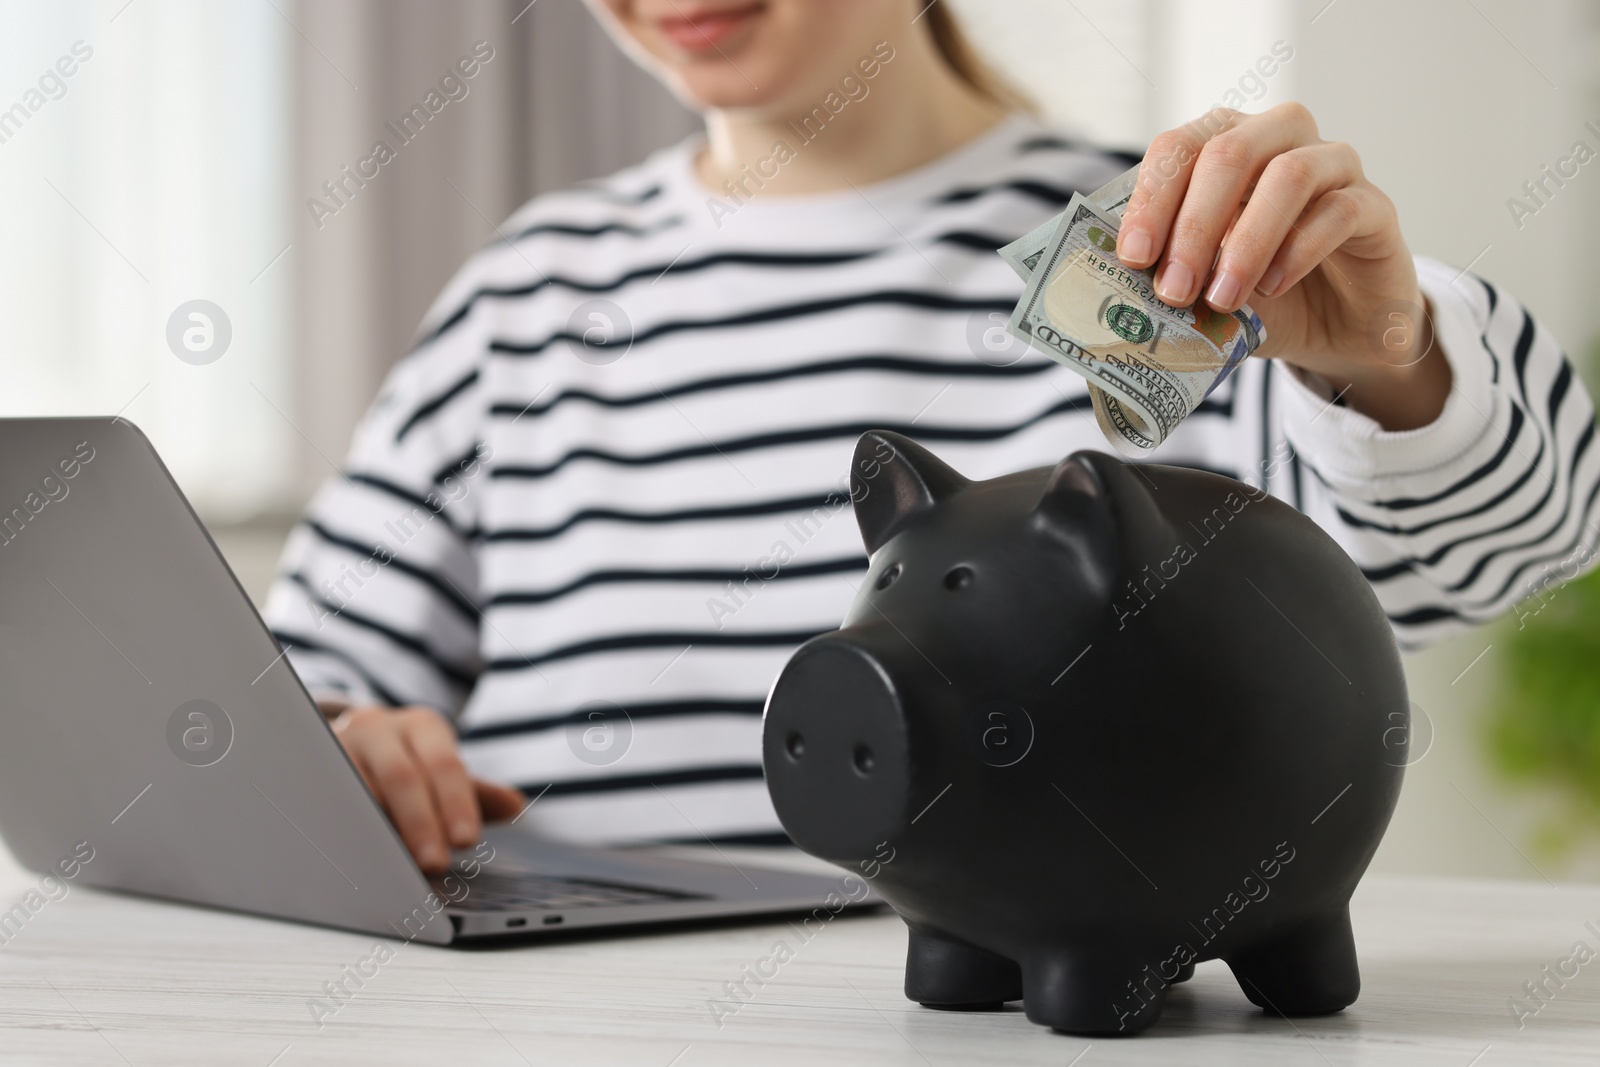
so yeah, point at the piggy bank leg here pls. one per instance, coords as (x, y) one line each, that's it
(1088, 993)
(942, 972)
(1310, 970)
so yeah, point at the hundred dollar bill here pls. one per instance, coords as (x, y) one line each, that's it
(1148, 364)
(1111, 198)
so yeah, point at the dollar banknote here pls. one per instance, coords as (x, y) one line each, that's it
(1111, 198)
(1148, 364)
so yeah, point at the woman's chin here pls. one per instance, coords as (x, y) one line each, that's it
(725, 89)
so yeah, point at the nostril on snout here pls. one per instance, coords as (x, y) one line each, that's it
(886, 579)
(958, 578)
(864, 760)
(795, 745)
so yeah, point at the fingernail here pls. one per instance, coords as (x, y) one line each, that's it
(1174, 284)
(1134, 246)
(1271, 281)
(463, 833)
(1225, 289)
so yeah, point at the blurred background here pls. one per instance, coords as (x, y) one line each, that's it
(185, 156)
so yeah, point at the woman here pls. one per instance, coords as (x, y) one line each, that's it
(590, 559)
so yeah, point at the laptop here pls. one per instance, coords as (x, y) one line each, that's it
(154, 739)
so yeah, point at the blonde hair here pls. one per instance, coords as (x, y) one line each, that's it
(957, 50)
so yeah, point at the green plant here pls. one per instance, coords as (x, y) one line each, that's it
(1544, 726)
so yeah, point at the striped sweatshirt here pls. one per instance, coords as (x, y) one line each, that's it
(595, 509)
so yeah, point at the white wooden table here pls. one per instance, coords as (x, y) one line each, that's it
(97, 978)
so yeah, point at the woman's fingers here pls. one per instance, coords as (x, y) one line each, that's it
(432, 742)
(1335, 218)
(1224, 172)
(407, 756)
(1289, 183)
(1163, 179)
(372, 737)
(410, 761)
(499, 802)
(1190, 188)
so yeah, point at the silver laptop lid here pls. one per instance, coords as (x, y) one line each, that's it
(152, 738)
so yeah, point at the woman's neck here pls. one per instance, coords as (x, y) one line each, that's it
(914, 110)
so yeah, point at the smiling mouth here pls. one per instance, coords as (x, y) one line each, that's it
(705, 30)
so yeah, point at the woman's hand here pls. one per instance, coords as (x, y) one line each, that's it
(407, 757)
(1258, 209)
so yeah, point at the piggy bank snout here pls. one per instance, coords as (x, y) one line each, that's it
(835, 751)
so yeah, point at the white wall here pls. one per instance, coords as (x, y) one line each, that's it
(1120, 71)
(157, 177)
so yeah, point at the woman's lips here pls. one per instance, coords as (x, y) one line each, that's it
(705, 30)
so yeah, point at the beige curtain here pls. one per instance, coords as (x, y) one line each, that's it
(553, 102)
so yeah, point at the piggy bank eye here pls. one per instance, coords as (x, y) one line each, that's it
(958, 578)
(864, 760)
(886, 579)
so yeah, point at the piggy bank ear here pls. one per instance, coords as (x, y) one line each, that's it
(893, 478)
(1079, 509)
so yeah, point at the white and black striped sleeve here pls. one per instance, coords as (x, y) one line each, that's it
(1457, 521)
(376, 597)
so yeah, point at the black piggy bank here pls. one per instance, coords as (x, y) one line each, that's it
(1089, 726)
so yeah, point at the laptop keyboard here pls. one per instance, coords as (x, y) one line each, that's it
(499, 891)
